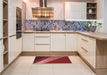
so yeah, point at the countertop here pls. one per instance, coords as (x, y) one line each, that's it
(96, 35)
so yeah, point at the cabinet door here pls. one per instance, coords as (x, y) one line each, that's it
(1, 62)
(67, 10)
(1, 55)
(12, 48)
(71, 42)
(75, 10)
(58, 11)
(12, 17)
(58, 42)
(28, 42)
(1, 10)
(92, 52)
(1, 29)
(19, 45)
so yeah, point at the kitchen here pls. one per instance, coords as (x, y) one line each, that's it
(68, 31)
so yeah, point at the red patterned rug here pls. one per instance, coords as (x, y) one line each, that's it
(51, 59)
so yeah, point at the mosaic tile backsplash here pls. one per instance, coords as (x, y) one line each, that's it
(48, 25)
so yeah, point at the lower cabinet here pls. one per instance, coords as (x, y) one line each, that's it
(1, 55)
(87, 48)
(28, 42)
(49, 42)
(15, 48)
(71, 42)
(1, 61)
(12, 48)
(42, 42)
(19, 45)
(58, 41)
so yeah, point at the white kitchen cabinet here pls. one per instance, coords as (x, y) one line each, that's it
(58, 41)
(71, 42)
(12, 17)
(75, 10)
(1, 55)
(1, 9)
(12, 48)
(92, 52)
(1, 29)
(58, 7)
(87, 48)
(1, 16)
(1, 61)
(28, 42)
(42, 47)
(1, 45)
(19, 45)
(42, 42)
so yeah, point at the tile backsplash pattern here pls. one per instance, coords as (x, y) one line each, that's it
(48, 25)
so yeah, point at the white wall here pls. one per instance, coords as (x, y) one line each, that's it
(29, 5)
(57, 4)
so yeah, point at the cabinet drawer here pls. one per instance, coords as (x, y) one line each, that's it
(42, 40)
(84, 40)
(42, 34)
(42, 47)
(84, 51)
(53, 35)
(87, 48)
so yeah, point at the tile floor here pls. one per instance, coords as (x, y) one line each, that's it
(24, 66)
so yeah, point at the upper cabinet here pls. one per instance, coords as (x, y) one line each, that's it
(1, 10)
(75, 10)
(12, 17)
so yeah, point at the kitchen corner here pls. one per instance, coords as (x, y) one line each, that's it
(53, 37)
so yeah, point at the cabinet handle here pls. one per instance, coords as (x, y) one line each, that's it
(85, 40)
(42, 44)
(42, 36)
(12, 35)
(84, 49)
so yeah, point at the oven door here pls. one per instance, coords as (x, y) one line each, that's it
(19, 35)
